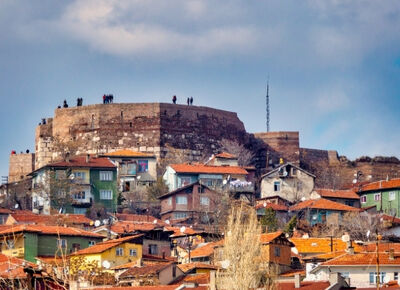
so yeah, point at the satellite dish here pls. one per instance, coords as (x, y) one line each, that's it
(97, 223)
(167, 222)
(303, 198)
(72, 176)
(138, 178)
(16, 206)
(106, 264)
(368, 233)
(355, 174)
(182, 229)
(225, 264)
(105, 221)
(354, 181)
(60, 210)
(155, 221)
(224, 182)
(284, 173)
(345, 238)
(265, 204)
(294, 250)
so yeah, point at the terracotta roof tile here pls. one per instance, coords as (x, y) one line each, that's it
(80, 161)
(322, 203)
(5, 211)
(191, 266)
(325, 256)
(321, 245)
(49, 230)
(225, 155)
(205, 250)
(177, 232)
(382, 184)
(122, 227)
(138, 218)
(291, 273)
(146, 270)
(199, 279)
(363, 259)
(269, 237)
(208, 169)
(303, 285)
(103, 246)
(391, 219)
(13, 268)
(59, 219)
(346, 194)
(128, 153)
(158, 287)
(383, 247)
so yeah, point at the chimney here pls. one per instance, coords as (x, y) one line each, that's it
(163, 255)
(87, 158)
(297, 281)
(350, 248)
(67, 157)
(212, 280)
(391, 254)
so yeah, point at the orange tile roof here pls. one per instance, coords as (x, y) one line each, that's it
(128, 153)
(382, 184)
(138, 218)
(125, 266)
(274, 206)
(269, 237)
(59, 219)
(190, 266)
(363, 259)
(325, 256)
(122, 227)
(203, 278)
(49, 230)
(146, 270)
(177, 232)
(225, 155)
(291, 273)
(5, 211)
(383, 247)
(321, 245)
(303, 285)
(392, 219)
(208, 169)
(322, 203)
(103, 246)
(158, 287)
(80, 161)
(13, 268)
(347, 194)
(205, 250)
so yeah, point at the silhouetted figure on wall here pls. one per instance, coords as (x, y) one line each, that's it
(188, 101)
(79, 102)
(174, 99)
(65, 105)
(191, 101)
(104, 99)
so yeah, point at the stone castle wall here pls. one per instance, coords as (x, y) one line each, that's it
(20, 165)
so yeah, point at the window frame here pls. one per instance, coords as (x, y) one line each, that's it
(119, 252)
(132, 251)
(183, 197)
(61, 243)
(102, 194)
(142, 166)
(106, 175)
(202, 199)
(363, 199)
(277, 251)
(277, 186)
(392, 195)
(377, 196)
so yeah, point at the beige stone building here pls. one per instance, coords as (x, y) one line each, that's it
(289, 182)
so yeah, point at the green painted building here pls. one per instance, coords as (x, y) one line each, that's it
(31, 241)
(75, 185)
(384, 195)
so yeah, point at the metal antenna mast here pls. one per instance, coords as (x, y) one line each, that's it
(267, 97)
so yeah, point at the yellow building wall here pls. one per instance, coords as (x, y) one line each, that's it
(87, 174)
(18, 250)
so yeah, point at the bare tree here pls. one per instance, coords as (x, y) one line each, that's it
(244, 155)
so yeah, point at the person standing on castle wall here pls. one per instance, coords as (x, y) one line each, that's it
(104, 99)
(174, 99)
(111, 99)
(188, 101)
(191, 101)
(65, 105)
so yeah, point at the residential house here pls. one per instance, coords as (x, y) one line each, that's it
(197, 268)
(134, 168)
(281, 211)
(116, 252)
(156, 239)
(322, 211)
(207, 253)
(276, 250)
(12, 274)
(289, 182)
(74, 185)
(30, 241)
(194, 203)
(383, 194)
(361, 268)
(158, 274)
(223, 159)
(345, 196)
(228, 178)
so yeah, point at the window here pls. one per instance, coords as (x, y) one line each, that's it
(396, 276)
(80, 175)
(392, 195)
(277, 251)
(61, 243)
(119, 252)
(79, 195)
(153, 250)
(143, 165)
(377, 196)
(204, 200)
(132, 253)
(363, 199)
(181, 200)
(10, 244)
(106, 175)
(200, 189)
(373, 277)
(76, 247)
(277, 186)
(345, 274)
(106, 194)
(174, 271)
(80, 210)
(180, 215)
(61, 174)
(189, 190)
(169, 200)
(185, 181)
(92, 243)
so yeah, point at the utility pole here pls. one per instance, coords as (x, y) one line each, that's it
(267, 101)
(378, 237)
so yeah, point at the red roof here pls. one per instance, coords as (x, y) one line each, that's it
(205, 250)
(361, 259)
(347, 194)
(177, 232)
(269, 237)
(225, 155)
(59, 219)
(138, 218)
(190, 266)
(272, 205)
(146, 270)
(208, 169)
(382, 184)
(103, 246)
(122, 227)
(303, 285)
(128, 153)
(80, 161)
(13, 268)
(322, 203)
(383, 247)
(49, 230)
(158, 287)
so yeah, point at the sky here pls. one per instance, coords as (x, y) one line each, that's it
(333, 66)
